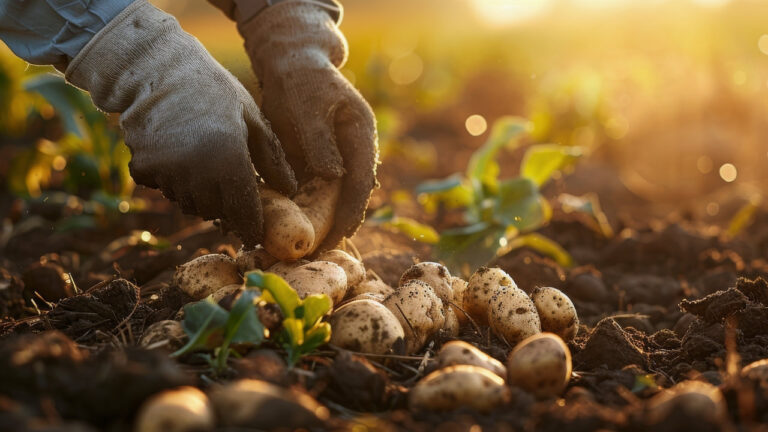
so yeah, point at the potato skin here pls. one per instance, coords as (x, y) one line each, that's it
(288, 233)
(696, 399)
(556, 312)
(255, 259)
(459, 288)
(756, 371)
(482, 285)
(512, 315)
(227, 290)
(416, 305)
(282, 268)
(371, 284)
(365, 326)
(166, 334)
(458, 352)
(459, 386)
(319, 277)
(317, 200)
(179, 410)
(203, 275)
(452, 326)
(540, 365)
(352, 267)
(434, 274)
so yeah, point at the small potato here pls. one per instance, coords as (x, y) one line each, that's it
(756, 371)
(288, 233)
(556, 312)
(692, 399)
(227, 290)
(512, 315)
(319, 277)
(166, 334)
(282, 268)
(434, 274)
(483, 284)
(260, 405)
(459, 386)
(419, 311)
(452, 326)
(256, 259)
(459, 288)
(203, 275)
(365, 326)
(352, 267)
(185, 409)
(459, 352)
(371, 284)
(540, 365)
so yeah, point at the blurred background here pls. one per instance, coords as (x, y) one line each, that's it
(668, 97)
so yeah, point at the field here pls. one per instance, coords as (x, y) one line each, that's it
(614, 150)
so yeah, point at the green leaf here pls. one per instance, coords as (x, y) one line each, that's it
(506, 131)
(383, 214)
(275, 289)
(294, 329)
(543, 160)
(72, 105)
(588, 204)
(204, 323)
(542, 245)
(413, 229)
(434, 186)
(315, 307)
(519, 204)
(744, 217)
(316, 336)
(243, 325)
(465, 249)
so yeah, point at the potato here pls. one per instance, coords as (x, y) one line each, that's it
(756, 371)
(227, 290)
(352, 267)
(556, 312)
(282, 268)
(317, 199)
(203, 275)
(378, 298)
(694, 399)
(459, 288)
(483, 284)
(451, 326)
(371, 284)
(185, 409)
(163, 334)
(288, 233)
(434, 274)
(260, 405)
(256, 259)
(419, 311)
(365, 326)
(512, 315)
(459, 386)
(319, 277)
(540, 365)
(459, 352)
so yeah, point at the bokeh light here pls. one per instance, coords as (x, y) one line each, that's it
(407, 69)
(476, 124)
(728, 172)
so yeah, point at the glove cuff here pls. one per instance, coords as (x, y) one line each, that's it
(290, 27)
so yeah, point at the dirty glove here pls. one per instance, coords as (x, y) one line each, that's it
(326, 127)
(193, 130)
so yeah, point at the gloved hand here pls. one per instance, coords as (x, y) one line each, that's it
(193, 130)
(326, 127)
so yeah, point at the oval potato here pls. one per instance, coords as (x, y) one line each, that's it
(365, 326)
(540, 365)
(203, 275)
(419, 311)
(482, 285)
(352, 267)
(459, 386)
(288, 233)
(512, 315)
(695, 399)
(319, 277)
(459, 352)
(556, 312)
(183, 409)
(434, 274)
(164, 334)
(371, 284)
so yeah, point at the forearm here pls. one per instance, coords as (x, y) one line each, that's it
(54, 31)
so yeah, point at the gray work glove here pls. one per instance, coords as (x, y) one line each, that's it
(326, 127)
(193, 130)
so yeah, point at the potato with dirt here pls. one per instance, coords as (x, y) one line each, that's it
(434, 274)
(482, 285)
(255, 259)
(691, 400)
(540, 365)
(459, 352)
(512, 315)
(166, 334)
(351, 265)
(556, 312)
(456, 387)
(288, 233)
(365, 326)
(204, 275)
(319, 277)
(419, 310)
(185, 409)
(370, 285)
(459, 288)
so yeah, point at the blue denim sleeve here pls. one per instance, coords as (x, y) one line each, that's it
(53, 31)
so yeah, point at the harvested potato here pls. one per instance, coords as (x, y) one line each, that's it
(756, 371)
(288, 233)
(419, 311)
(352, 267)
(185, 409)
(459, 288)
(227, 290)
(378, 298)
(282, 268)
(483, 284)
(256, 259)
(365, 326)
(556, 312)
(317, 199)
(692, 399)
(452, 325)
(459, 386)
(203, 275)
(166, 334)
(319, 277)
(260, 405)
(540, 365)
(371, 284)
(512, 315)
(434, 274)
(459, 352)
